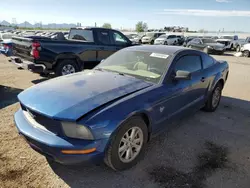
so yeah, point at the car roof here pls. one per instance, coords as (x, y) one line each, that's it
(163, 49)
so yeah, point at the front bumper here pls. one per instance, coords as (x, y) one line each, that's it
(215, 51)
(51, 145)
(28, 65)
(158, 42)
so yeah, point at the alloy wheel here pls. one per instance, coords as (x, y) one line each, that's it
(68, 69)
(130, 144)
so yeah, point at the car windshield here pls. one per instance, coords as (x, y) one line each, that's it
(146, 66)
(226, 37)
(208, 41)
(163, 36)
(7, 36)
(150, 34)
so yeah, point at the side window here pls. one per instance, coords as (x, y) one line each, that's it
(189, 63)
(103, 37)
(173, 36)
(207, 61)
(81, 34)
(119, 39)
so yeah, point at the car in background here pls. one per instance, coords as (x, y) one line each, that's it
(84, 48)
(238, 44)
(6, 43)
(166, 40)
(227, 41)
(245, 49)
(181, 39)
(138, 38)
(150, 37)
(188, 39)
(131, 37)
(206, 45)
(111, 112)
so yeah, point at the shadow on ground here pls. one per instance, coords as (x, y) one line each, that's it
(163, 171)
(8, 95)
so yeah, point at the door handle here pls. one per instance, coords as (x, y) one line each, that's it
(203, 79)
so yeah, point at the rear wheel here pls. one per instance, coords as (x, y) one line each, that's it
(214, 99)
(246, 53)
(65, 67)
(152, 42)
(165, 43)
(238, 48)
(128, 145)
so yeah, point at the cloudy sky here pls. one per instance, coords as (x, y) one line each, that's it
(211, 15)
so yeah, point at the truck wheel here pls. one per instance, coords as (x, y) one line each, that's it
(238, 48)
(214, 99)
(128, 144)
(246, 53)
(152, 42)
(165, 43)
(65, 67)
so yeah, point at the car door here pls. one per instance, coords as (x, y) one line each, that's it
(105, 48)
(182, 96)
(119, 41)
(200, 45)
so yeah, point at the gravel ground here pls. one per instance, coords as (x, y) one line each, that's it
(201, 150)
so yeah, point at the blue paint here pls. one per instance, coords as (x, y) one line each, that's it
(102, 100)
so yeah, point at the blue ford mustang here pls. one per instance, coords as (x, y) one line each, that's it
(111, 112)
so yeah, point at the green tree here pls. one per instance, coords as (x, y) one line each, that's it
(141, 26)
(107, 25)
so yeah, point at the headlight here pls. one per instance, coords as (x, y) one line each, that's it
(73, 130)
(210, 47)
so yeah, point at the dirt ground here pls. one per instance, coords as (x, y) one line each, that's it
(202, 150)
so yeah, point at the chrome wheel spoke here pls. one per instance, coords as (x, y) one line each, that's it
(130, 144)
(128, 154)
(123, 148)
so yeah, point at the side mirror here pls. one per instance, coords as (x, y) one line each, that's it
(182, 75)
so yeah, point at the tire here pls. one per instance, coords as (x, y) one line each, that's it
(211, 105)
(246, 53)
(238, 48)
(113, 158)
(140, 42)
(152, 42)
(45, 75)
(165, 43)
(67, 63)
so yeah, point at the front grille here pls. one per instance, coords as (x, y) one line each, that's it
(224, 42)
(51, 125)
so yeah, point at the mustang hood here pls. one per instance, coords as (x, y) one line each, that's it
(70, 97)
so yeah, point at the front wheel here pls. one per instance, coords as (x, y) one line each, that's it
(165, 43)
(246, 53)
(214, 99)
(238, 49)
(128, 144)
(66, 67)
(152, 42)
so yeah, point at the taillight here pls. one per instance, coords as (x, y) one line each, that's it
(6, 46)
(35, 50)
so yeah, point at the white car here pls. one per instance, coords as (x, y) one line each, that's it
(246, 50)
(167, 40)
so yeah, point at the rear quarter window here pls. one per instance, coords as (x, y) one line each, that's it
(208, 61)
(81, 34)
